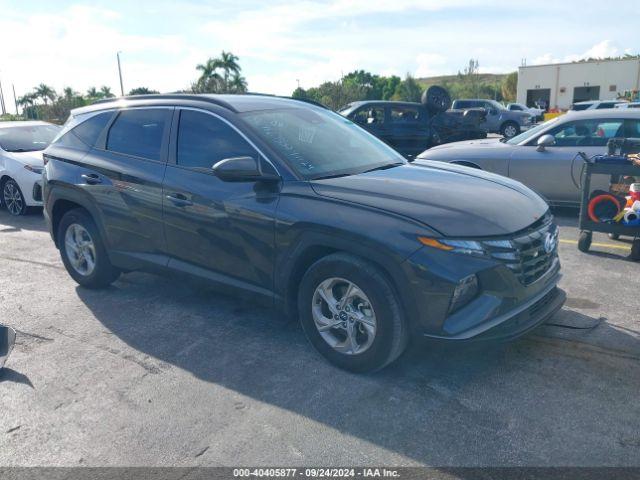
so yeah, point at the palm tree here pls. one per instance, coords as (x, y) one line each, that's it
(238, 84)
(105, 92)
(92, 93)
(211, 81)
(229, 63)
(142, 91)
(45, 92)
(69, 93)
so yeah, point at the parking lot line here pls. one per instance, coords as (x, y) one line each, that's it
(595, 244)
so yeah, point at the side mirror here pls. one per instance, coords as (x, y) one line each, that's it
(545, 141)
(7, 340)
(242, 169)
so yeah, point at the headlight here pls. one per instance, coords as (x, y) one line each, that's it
(37, 170)
(470, 247)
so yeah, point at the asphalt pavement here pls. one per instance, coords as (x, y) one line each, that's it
(155, 371)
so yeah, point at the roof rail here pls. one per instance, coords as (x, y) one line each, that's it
(210, 98)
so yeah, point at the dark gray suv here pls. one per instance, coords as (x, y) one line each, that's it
(294, 205)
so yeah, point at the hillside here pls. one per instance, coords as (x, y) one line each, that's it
(482, 78)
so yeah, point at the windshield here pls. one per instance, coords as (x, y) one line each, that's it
(496, 105)
(30, 138)
(318, 143)
(526, 135)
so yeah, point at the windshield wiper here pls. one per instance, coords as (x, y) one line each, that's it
(384, 167)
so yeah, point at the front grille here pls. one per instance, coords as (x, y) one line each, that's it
(529, 254)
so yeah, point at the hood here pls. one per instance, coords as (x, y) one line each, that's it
(27, 158)
(453, 200)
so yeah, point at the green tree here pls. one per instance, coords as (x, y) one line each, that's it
(409, 90)
(45, 92)
(220, 75)
(93, 94)
(105, 92)
(142, 91)
(510, 87)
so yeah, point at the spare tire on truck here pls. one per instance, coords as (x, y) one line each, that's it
(436, 99)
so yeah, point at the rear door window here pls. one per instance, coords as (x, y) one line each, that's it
(405, 115)
(139, 132)
(369, 116)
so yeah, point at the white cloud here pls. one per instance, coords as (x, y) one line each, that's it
(429, 64)
(78, 47)
(603, 49)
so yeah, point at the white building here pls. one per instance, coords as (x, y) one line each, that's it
(561, 84)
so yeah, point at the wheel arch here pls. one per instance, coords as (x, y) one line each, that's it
(59, 203)
(310, 250)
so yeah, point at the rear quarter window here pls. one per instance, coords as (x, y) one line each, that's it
(86, 133)
(139, 132)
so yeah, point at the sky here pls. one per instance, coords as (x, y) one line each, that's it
(280, 43)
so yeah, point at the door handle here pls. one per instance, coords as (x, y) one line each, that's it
(179, 200)
(91, 178)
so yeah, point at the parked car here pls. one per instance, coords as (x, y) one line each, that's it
(596, 104)
(628, 105)
(536, 113)
(545, 158)
(293, 204)
(21, 145)
(499, 120)
(411, 127)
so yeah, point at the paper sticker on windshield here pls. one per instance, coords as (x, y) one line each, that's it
(306, 134)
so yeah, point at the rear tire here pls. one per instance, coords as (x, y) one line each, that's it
(83, 252)
(376, 303)
(13, 199)
(584, 241)
(614, 236)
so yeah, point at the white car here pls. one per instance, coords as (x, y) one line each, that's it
(628, 105)
(21, 164)
(596, 104)
(537, 113)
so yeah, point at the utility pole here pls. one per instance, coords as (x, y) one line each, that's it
(120, 75)
(4, 111)
(15, 101)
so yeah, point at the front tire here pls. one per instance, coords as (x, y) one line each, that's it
(510, 129)
(83, 252)
(351, 314)
(13, 199)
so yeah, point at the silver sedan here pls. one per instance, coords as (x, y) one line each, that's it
(545, 158)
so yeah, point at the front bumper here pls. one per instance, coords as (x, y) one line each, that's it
(503, 309)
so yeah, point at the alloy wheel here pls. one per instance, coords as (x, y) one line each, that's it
(12, 198)
(510, 131)
(344, 316)
(80, 249)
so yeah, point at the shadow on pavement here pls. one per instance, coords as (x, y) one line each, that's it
(9, 375)
(440, 404)
(32, 221)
